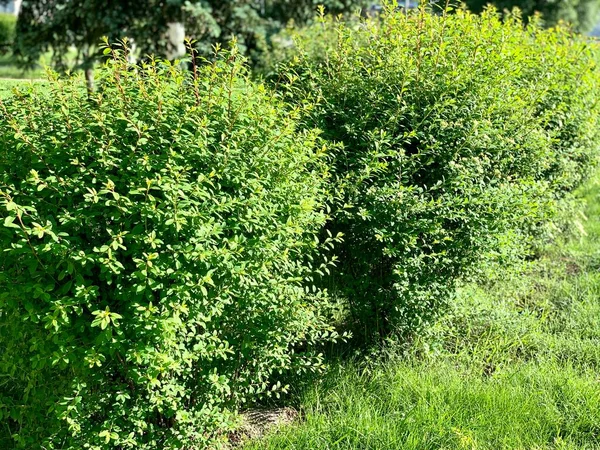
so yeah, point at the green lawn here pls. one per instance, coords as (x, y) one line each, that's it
(10, 69)
(11, 75)
(514, 365)
(7, 85)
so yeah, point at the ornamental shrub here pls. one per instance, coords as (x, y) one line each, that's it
(158, 239)
(456, 135)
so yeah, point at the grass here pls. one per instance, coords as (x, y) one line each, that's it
(10, 69)
(12, 76)
(514, 365)
(7, 85)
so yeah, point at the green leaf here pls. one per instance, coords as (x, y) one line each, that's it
(9, 222)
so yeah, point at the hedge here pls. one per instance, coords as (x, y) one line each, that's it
(457, 135)
(159, 238)
(167, 239)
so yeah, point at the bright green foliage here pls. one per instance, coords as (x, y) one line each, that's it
(457, 134)
(6, 87)
(7, 31)
(158, 245)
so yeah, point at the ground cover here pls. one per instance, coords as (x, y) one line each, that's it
(10, 69)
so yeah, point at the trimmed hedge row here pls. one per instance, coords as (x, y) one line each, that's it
(456, 135)
(165, 238)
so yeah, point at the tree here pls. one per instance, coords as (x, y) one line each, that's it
(59, 25)
(581, 14)
(252, 22)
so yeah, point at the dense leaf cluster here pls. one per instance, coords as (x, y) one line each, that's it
(456, 135)
(158, 243)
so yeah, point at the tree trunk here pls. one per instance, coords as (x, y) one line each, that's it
(88, 67)
(89, 79)
(176, 37)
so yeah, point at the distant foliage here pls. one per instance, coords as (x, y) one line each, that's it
(582, 15)
(159, 240)
(61, 25)
(456, 135)
(253, 23)
(7, 31)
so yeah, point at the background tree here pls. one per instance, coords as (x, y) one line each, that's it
(7, 31)
(581, 14)
(56, 26)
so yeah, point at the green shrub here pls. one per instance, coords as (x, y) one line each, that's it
(8, 24)
(158, 239)
(456, 135)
